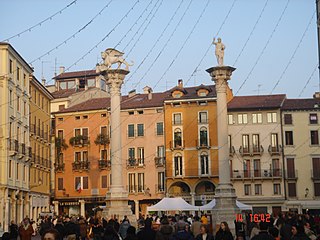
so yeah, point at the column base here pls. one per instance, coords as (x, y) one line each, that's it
(117, 206)
(225, 209)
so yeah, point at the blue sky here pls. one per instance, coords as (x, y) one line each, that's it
(166, 42)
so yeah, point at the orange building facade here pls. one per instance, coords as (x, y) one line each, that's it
(191, 143)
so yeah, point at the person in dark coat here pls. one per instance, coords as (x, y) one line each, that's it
(166, 231)
(25, 230)
(263, 234)
(131, 233)
(72, 229)
(298, 233)
(60, 228)
(224, 232)
(147, 233)
(182, 233)
(125, 224)
(13, 230)
(204, 233)
(110, 233)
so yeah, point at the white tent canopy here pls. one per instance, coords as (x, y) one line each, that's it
(172, 204)
(212, 203)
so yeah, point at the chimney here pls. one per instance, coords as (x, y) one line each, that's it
(43, 82)
(132, 93)
(148, 90)
(180, 83)
(61, 70)
(316, 95)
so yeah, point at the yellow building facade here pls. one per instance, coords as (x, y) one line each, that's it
(14, 136)
(40, 164)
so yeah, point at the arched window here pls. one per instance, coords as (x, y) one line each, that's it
(204, 163)
(178, 165)
(203, 136)
(177, 138)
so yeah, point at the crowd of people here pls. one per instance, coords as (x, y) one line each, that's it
(288, 226)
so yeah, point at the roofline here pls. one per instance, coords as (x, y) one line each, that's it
(16, 52)
(42, 88)
(188, 100)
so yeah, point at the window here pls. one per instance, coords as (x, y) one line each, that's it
(274, 141)
(258, 189)
(316, 168)
(292, 192)
(77, 156)
(140, 112)
(24, 80)
(103, 115)
(81, 183)
(317, 189)
(141, 156)
(272, 117)
(245, 143)
(77, 117)
(313, 118)
(204, 161)
(203, 136)
(85, 182)
(160, 187)
(24, 108)
(242, 118)
(287, 119)
(257, 168)
(132, 182)
(140, 130)
(60, 183)
(10, 66)
(60, 134)
(85, 117)
(230, 119)
(256, 143)
(160, 151)
(276, 168)
(290, 168)
(104, 154)
(246, 168)
(17, 171)
(314, 137)
(10, 97)
(104, 130)
(140, 182)
(18, 104)
(178, 165)
(104, 181)
(289, 137)
(18, 73)
(247, 189)
(131, 113)
(203, 117)
(60, 119)
(61, 107)
(131, 130)
(85, 156)
(177, 138)
(159, 128)
(276, 189)
(131, 153)
(177, 119)
(256, 118)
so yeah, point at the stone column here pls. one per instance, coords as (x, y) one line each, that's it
(117, 197)
(225, 196)
(6, 214)
(136, 203)
(192, 198)
(82, 208)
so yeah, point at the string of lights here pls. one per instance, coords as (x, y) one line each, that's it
(41, 22)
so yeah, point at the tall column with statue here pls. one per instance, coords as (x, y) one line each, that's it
(117, 197)
(225, 208)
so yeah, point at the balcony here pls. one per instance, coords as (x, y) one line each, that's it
(274, 150)
(251, 150)
(315, 174)
(256, 174)
(177, 123)
(177, 145)
(244, 151)
(79, 141)
(59, 167)
(104, 164)
(160, 161)
(135, 189)
(232, 151)
(257, 150)
(203, 144)
(203, 121)
(80, 165)
(292, 175)
(32, 129)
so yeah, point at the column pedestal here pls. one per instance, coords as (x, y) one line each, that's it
(225, 208)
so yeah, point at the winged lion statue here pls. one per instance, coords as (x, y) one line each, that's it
(111, 56)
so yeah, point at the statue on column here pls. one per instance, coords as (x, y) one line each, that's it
(111, 56)
(220, 47)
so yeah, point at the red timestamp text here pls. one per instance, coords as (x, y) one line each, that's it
(254, 217)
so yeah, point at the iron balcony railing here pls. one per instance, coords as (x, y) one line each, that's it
(59, 167)
(160, 161)
(104, 164)
(80, 165)
(256, 174)
(203, 143)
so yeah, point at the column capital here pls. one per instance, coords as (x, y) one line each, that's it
(221, 72)
(114, 79)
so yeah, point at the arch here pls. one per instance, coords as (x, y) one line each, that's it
(205, 187)
(179, 188)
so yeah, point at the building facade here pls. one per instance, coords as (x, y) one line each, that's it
(255, 147)
(40, 142)
(300, 119)
(191, 142)
(15, 149)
